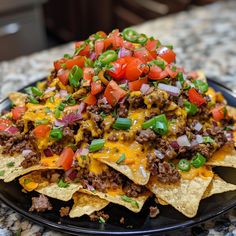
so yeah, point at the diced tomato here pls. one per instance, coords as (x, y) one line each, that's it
(219, 113)
(102, 34)
(78, 60)
(107, 43)
(17, 112)
(143, 54)
(118, 69)
(63, 76)
(96, 87)
(6, 122)
(113, 93)
(134, 69)
(88, 73)
(151, 45)
(41, 131)
(117, 41)
(3, 127)
(192, 74)
(66, 158)
(167, 54)
(128, 45)
(85, 51)
(195, 97)
(163, 75)
(170, 71)
(99, 46)
(58, 64)
(154, 73)
(90, 100)
(137, 84)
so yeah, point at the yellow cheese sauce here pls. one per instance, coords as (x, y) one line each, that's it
(49, 161)
(222, 152)
(203, 172)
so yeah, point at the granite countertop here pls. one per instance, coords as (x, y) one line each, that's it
(204, 38)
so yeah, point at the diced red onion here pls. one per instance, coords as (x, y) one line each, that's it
(90, 187)
(158, 154)
(48, 152)
(122, 101)
(26, 152)
(123, 52)
(68, 172)
(63, 93)
(144, 88)
(197, 126)
(228, 135)
(73, 174)
(178, 85)
(143, 172)
(82, 151)
(58, 123)
(174, 145)
(69, 119)
(194, 143)
(183, 141)
(199, 138)
(12, 130)
(172, 90)
(103, 100)
(93, 56)
(49, 89)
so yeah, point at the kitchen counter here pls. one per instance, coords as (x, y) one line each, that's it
(204, 38)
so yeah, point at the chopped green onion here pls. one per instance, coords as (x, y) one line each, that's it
(56, 134)
(130, 200)
(208, 139)
(198, 160)
(70, 100)
(27, 181)
(96, 145)
(174, 68)
(36, 91)
(62, 184)
(42, 122)
(52, 99)
(79, 49)
(103, 115)
(121, 159)
(57, 113)
(67, 56)
(180, 77)
(123, 86)
(63, 65)
(158, 123)
(202, 86)
(107, 57)
(2, 172)
(33, 100)
(75, 75)
(159, 63)
(101, 220)
(170, 46)
(28, 90)
(88, 62)
(10, 164)
(184, 165)
(95, 78)
(122, 123)
(190, 108)
(61, 106)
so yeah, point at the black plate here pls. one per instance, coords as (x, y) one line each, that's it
(169, 219)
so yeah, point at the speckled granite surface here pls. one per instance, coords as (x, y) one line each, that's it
(204, 38)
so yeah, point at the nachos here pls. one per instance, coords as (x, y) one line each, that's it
(116, 122)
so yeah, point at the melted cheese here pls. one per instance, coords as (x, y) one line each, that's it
(203, 172)
(96, 167)
(49, 161)
(221, 153)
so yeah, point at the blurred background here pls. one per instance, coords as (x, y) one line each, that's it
(28, 26)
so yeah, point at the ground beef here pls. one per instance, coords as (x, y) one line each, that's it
(166, 149)
(167, 173)
(68, 134)
(92, 109)
(20, 125)
(113, 137)
(122, 111)
(145, 136)
(157, 98)
(152, 163)
(104, 106)
(31, 159)
(97, 215)
(96, 118)
(64, 211)
(57, 148)
(153, 211)
(131, 189)
(136, 101)
(40, 204)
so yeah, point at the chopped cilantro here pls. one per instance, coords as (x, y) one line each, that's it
(10, 164)
(26, 181)
(101, 220)
(62, 184)
(130, 200)
(2, 172)
(121, 159)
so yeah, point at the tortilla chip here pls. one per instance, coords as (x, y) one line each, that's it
(161, 201)
(86, 204)
(201, 75)
(232, 111)
(184, 196)
(35, 181)
(135, 204)
(218, 185)
(226, 156)
(18, 99)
